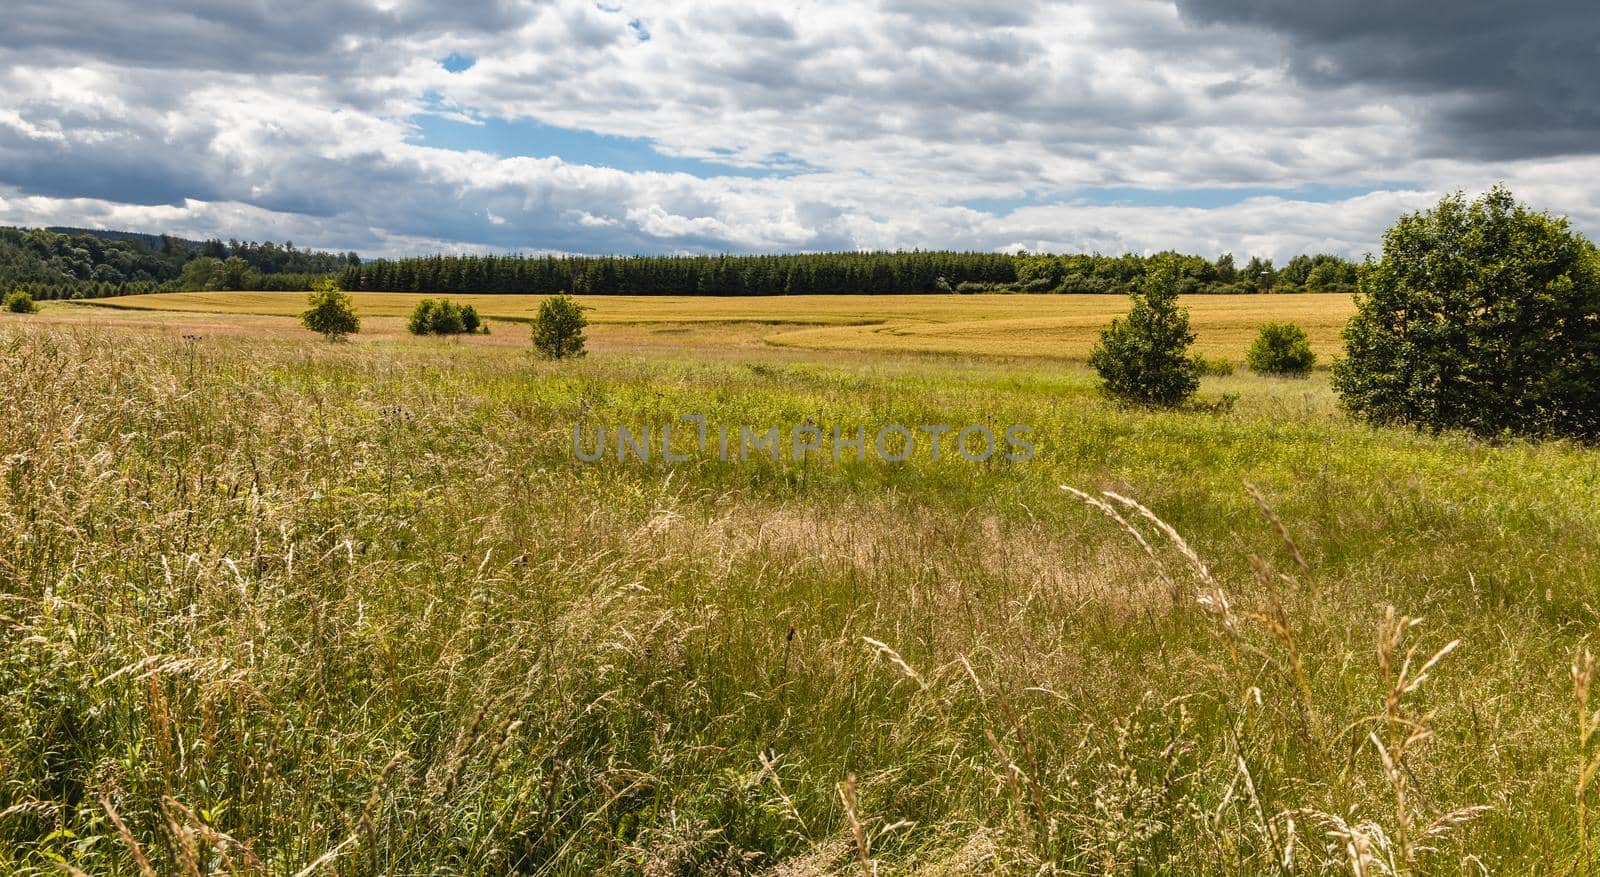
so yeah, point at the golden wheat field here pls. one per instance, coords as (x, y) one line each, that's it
(1063, 326)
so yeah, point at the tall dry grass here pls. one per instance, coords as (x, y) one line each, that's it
(278, 608)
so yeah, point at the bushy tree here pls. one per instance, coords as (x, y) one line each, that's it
(19, 302)
(1281, 349)
(1144, 358)
(332, 313)
(1482, 316)
(434, 317)
(558, 329)
(444, 317)
(201, 273)
(234, 274)
(1225, 271)
(1331, 274)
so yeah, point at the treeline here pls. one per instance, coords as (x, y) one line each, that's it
(78, 264)
(72, 263)
(855, 272)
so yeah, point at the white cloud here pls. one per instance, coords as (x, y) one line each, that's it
(298, 125)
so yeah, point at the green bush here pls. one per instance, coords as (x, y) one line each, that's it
(1144, 358)
(444, 317)
(1480, 317)
(19, 302)
(558, 329)
(1213, 366)
(1281, 349)
(422, 317)
(332, 313)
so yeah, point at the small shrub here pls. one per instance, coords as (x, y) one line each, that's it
(1144, 358)
(1281, 349)
(332, 313)
(19, 302)
(558, 329)
(1213, 366)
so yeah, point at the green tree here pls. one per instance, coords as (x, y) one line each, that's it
(19, 302)
(235, 274)
(1144, 358)
(471, 323)
(1334, 275)
(1226, 272)
(1281, 349)
(447, 319)
(1483, 317)
(1039, 273)
(1259, 274)
(201, 273)
(558, 329)
(332, 313)
(1292, 276)
(422, 317)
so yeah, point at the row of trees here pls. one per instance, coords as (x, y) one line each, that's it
(866, 272)
(80, 264)
(1481, 316)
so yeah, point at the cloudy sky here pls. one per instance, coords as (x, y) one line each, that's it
(1262, 127)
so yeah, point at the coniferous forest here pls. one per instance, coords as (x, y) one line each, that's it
(842, 273)
(74, 263)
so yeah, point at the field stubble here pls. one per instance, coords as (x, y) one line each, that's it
(277, 606)
(1059, 326)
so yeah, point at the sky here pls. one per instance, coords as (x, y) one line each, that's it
(394, 127)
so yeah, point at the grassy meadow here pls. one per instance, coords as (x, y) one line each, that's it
(271, 605)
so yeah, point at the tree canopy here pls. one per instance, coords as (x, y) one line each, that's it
(1480, 316)
(72, 263)
(843, 273)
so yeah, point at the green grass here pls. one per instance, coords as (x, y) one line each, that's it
(279, 602)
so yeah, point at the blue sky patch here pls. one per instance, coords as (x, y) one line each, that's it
(455, 62)
(528, 138)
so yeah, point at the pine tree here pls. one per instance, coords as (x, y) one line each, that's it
(1144, 358)
(331, 311)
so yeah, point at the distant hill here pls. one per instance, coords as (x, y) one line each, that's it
(147, 241)
(66, 262)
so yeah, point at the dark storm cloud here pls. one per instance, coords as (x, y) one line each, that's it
(1495, 80)
(295, 36)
